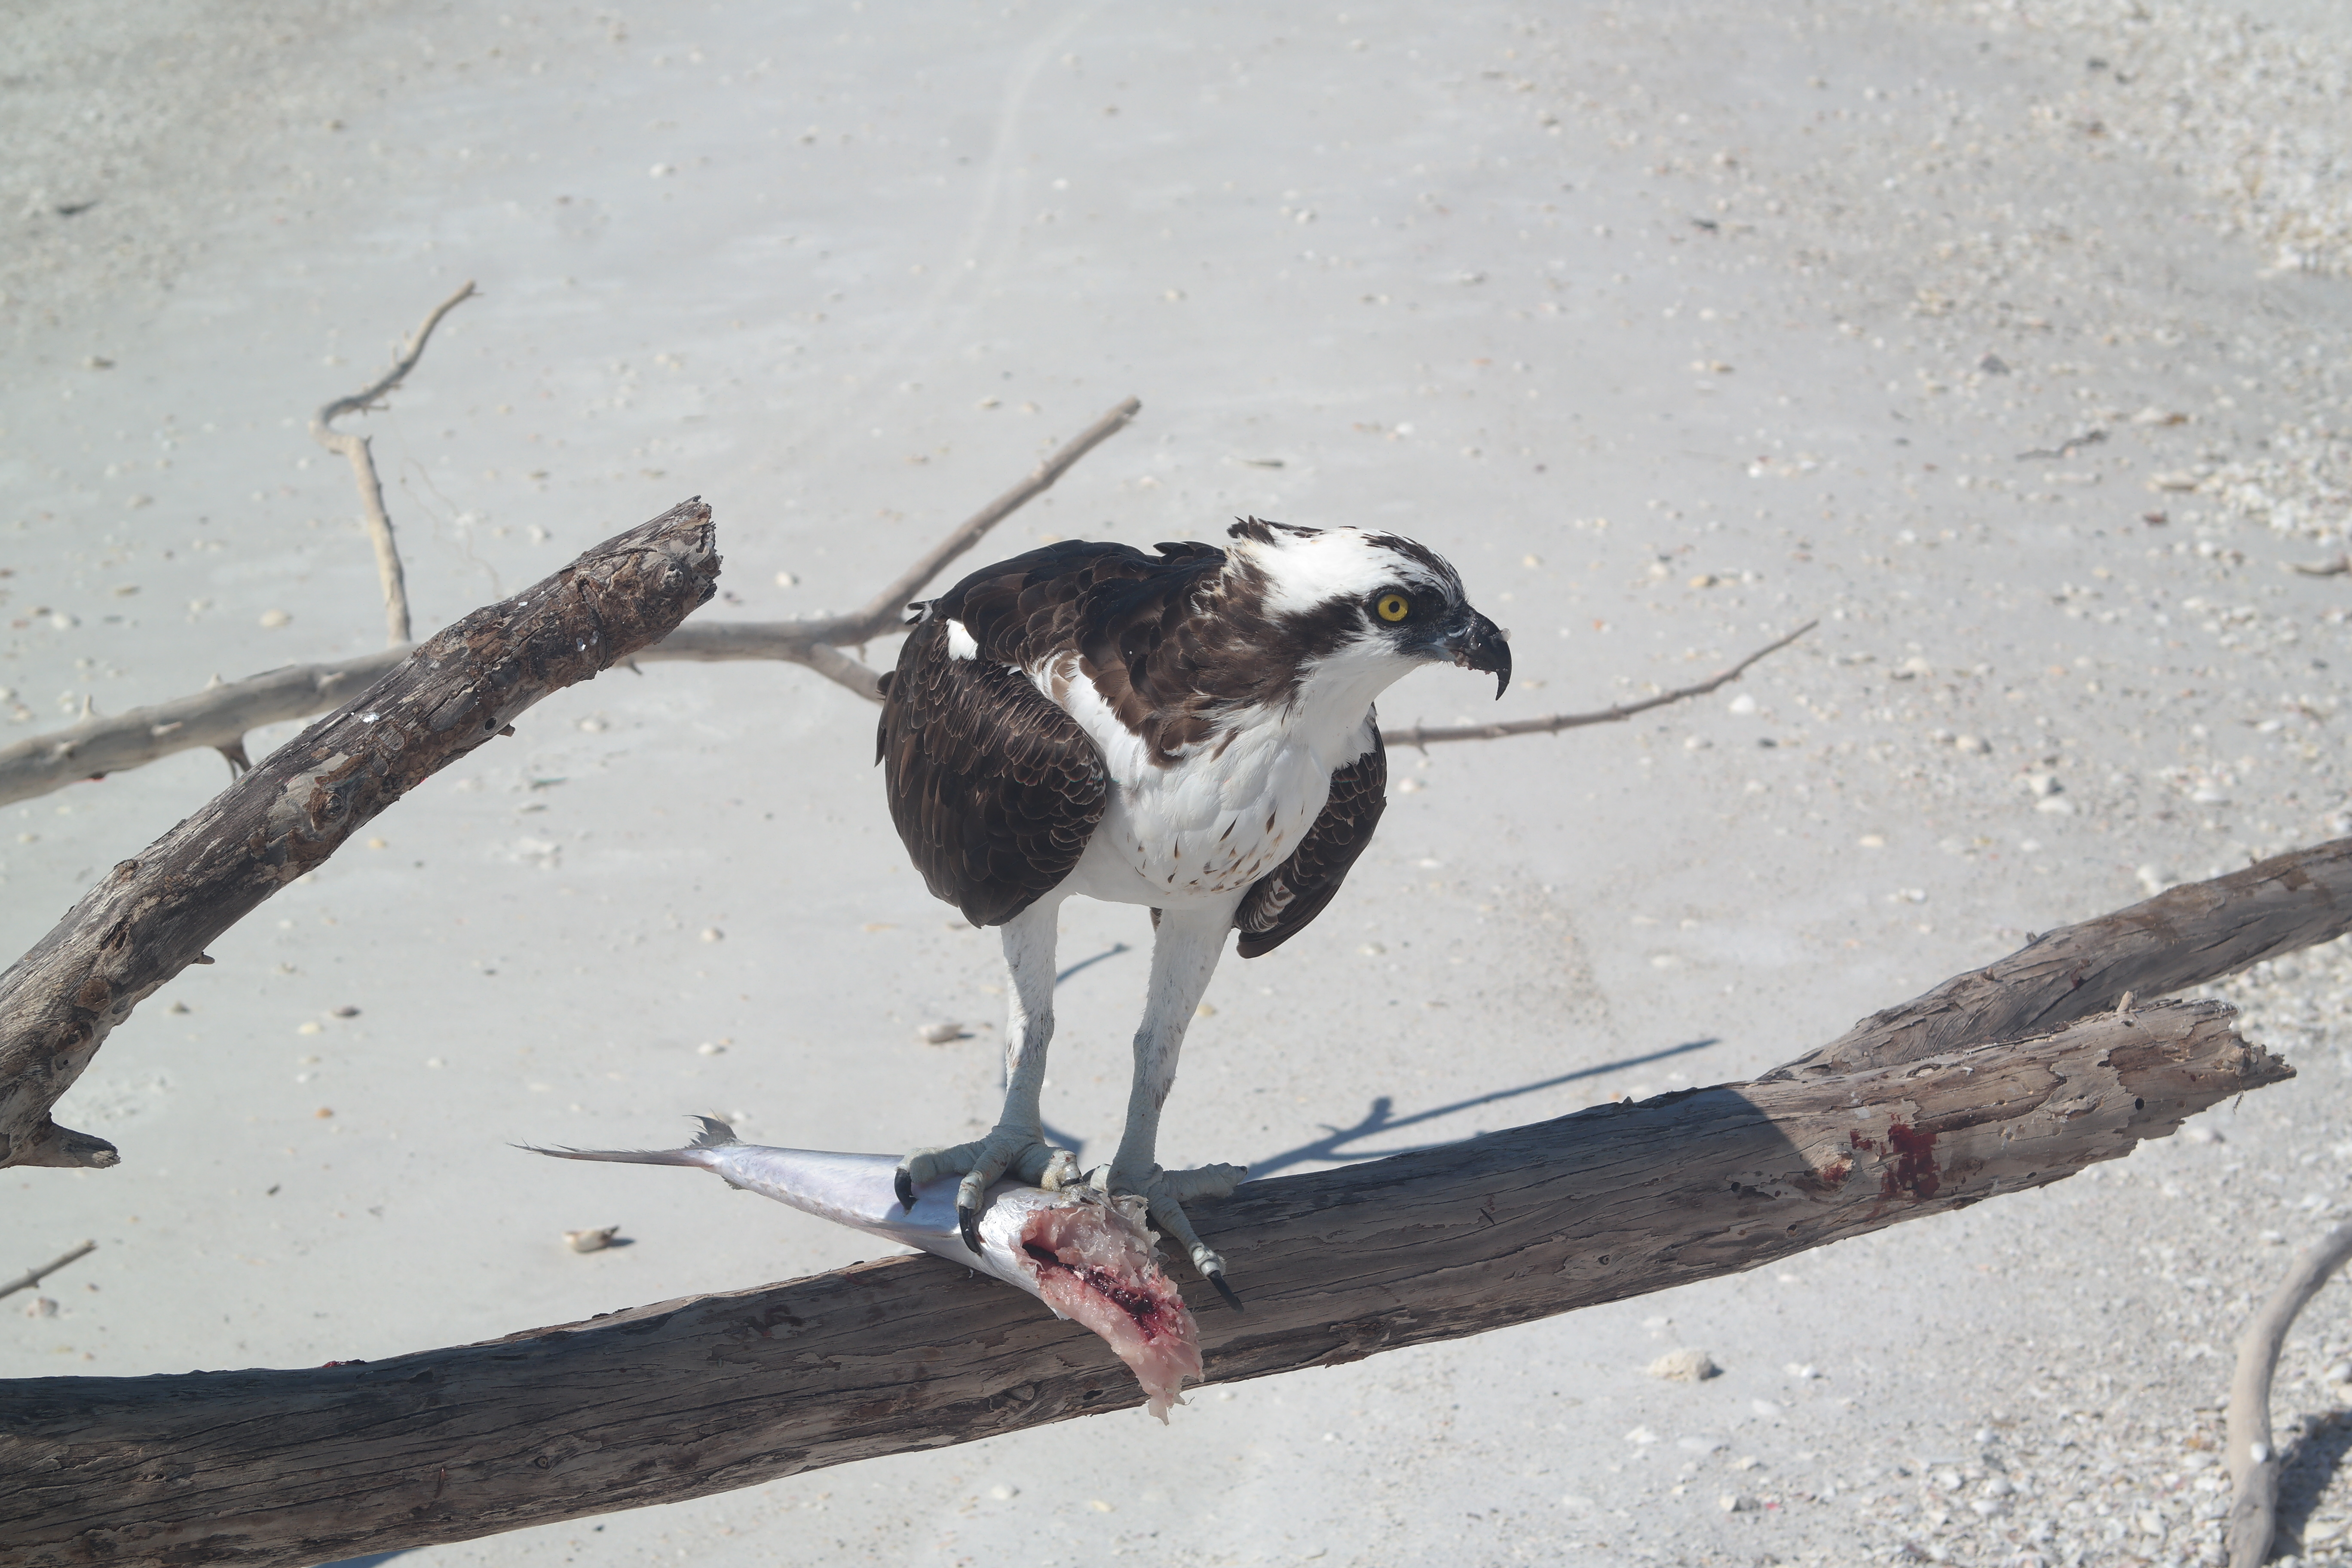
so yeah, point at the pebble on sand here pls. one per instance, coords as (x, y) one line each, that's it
(1684, 1366)
(938, 1033)
(590, 1240)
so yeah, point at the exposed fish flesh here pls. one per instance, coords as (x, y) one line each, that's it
(1087, 1256)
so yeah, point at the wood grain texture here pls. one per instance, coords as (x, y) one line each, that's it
(696, 1396)
(2188, 936)
(152, 916)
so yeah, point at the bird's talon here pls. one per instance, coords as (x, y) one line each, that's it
(1216, 1277)
(968, 1221)
(905, 1185)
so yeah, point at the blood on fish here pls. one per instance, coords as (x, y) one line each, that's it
(1103, 1276)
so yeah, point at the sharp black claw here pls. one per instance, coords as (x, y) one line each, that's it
(1218, 1279)
(968, 1221)
(906, 1185)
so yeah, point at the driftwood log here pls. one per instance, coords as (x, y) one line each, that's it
(703, 1395)
(154, 914)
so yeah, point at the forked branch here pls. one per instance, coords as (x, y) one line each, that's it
(220, 716)
(355, 450)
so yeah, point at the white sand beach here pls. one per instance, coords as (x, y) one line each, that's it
(1673, 326)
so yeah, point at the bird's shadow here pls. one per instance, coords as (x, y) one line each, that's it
(2304, 1478)
(1379, 1117)
(1113, 951)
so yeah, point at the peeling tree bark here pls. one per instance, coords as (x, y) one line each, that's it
(696, 1396)
(152, 916)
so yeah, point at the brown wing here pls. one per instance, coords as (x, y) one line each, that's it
(993, 789)
(1285, 899)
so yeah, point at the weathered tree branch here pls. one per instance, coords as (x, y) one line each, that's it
(152, 916)
(32, 1277)
(1422, 736)
(355, 450)
(2254, 1458)
(220, 716)
(2188, 936)
(702, 1396)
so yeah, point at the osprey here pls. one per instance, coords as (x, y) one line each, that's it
(1191, 730)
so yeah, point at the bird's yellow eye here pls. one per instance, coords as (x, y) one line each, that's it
(1393, 607)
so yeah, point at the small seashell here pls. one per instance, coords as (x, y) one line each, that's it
(346, 1011)
(323, 1113)
(273, 620)
(712, 934)
(590, 1240)
(1684, 1366)
(938, 1033)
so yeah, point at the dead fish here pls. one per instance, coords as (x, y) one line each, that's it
(1087, 1256)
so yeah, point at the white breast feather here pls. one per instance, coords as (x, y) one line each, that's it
(1205, 829)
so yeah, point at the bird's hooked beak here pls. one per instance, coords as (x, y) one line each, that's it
(1479, 643)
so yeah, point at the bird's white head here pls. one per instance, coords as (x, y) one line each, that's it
(1353, 599)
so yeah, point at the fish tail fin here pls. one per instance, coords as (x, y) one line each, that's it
(715, 1134)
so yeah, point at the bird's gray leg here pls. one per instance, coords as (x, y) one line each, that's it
(1183, 955)
(1016, 1144)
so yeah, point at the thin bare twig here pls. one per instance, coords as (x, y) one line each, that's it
(2254, 1459)
(355, 448)
(32, 1277)
(885, 611)
(1616, 713)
